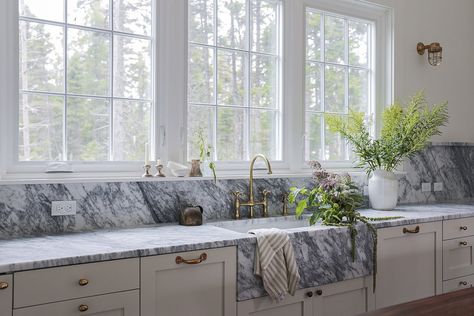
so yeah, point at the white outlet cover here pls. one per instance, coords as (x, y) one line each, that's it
(438, 186)
(426, 187)
(63, 208)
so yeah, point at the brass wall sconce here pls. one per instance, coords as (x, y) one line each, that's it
(435, 52)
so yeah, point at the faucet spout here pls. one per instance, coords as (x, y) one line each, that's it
(252, 163)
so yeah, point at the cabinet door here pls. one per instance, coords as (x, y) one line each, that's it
(6, 299)
(458, 257)
(198, 283)
(345, 298)
(117, 304)
(299, 305)
(409, 263)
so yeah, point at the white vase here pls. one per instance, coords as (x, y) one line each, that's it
(383, 190)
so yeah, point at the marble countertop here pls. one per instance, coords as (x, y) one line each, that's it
(50, 251)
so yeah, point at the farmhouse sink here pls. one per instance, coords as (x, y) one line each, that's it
(282, 222)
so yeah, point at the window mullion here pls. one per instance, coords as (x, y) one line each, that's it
(248, 70)
(323, 86)
(66, 29)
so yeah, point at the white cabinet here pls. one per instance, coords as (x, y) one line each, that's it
(345, 298)
(117, 304)
(458, 257)
(409, 263)
(6, 298)
(199, 283)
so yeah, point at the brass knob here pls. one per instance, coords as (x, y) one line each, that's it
(309, 294)
(463, 228)
(83, 308)
(3, 285)
(463, 243)
(319, 292)
(464, 283)
(83, 282)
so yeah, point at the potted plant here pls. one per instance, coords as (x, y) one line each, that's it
(205, 150)
(405, 131)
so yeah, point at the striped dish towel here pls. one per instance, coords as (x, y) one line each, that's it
(275, 262)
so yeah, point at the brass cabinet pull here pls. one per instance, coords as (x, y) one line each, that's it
(202, 257)
(463, 243)
(464, 283)
(463, 228)
(3, 285)
(83, 308)
(319, 292)
(411, 231)
(83, 282)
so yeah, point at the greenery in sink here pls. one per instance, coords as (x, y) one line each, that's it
(334, 201)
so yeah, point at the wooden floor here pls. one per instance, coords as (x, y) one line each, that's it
(459, 303)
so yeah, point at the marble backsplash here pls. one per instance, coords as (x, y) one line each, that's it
(25, 208)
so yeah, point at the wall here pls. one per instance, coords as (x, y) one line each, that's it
(451, 24)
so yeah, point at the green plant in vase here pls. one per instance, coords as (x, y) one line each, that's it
(205, 151)
(334, 201)
(405, 131)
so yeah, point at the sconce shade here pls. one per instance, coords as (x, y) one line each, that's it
(435, 52)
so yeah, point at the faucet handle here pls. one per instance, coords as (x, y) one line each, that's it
(237, 194)
(266, 192)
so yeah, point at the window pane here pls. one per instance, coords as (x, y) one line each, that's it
(231, 77)
(200, 117)
(132, 67)
(359, 90)
(232, 23)
(335, 146)
(52, 10)
(358, 43)
(313, 137)
(231, 129)
(88, 62)
(263, 133)
(335, 39)
(263, 82)
(264, 26)
(88, 129)
(41, 57)
(201, 83)
(41, 127)
(94, 13)
(201, 21)
(313, 35)
(335, 87)
(131, 129)
(313, 86)
(133, 16)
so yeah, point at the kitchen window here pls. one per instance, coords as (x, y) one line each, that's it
(234, 78)
(85, 79)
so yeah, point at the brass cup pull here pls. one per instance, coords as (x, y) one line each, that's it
(463, 243)
(83, 308)
(463, 228)
(463, 283)
(3, 285)
(202, 257)
(411, 231)
(83, 282)
(319, 292)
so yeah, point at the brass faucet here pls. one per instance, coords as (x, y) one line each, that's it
(251, 202)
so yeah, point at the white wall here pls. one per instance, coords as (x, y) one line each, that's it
(451, 23)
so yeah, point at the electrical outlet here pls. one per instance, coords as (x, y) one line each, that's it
(61, 208)
(426, 187)
(438, 186)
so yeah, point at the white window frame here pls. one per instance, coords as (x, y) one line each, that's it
(170, 89)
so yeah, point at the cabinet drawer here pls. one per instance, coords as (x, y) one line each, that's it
(458, 258)
(117, 304)
(455, 228)
(64, 283)
(458, 284)
(6, 289)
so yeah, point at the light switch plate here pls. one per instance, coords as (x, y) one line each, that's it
(438, 186)
(62, 208)
(426, 187)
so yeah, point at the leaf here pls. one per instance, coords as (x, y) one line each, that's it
(302, 205)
